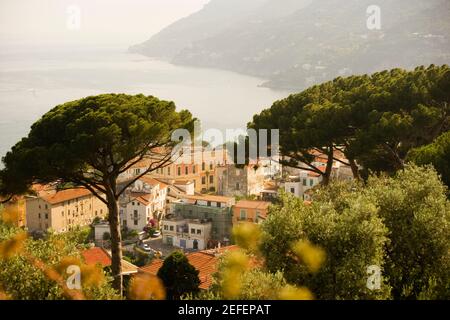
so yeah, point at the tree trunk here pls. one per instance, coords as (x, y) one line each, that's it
(329, 167)
(355, 169)
(116, 242)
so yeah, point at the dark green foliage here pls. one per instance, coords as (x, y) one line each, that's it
(401, 224)
(374, 120)
(437, 154)
(179, 276)
(89, 143)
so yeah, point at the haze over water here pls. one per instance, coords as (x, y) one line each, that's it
(34, 79)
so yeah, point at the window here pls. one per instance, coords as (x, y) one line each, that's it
(135, 213)
(203, 166)
(135, 222)
(192, 231)
(46, 206)
(171, 228)
(179, 171)
(132, 203)
(193, 169)
(211, 179)
(165, 227)
(209, 204)
(186, 170)
(211, 166)
(238, 186)
(218, 204)
(292, 190)
(203, 180)
(199, 231)
(311, 182)
(168, 171)
(243, 214)
(62, 213)
(304, 182)
(46, 216)
(39, 215)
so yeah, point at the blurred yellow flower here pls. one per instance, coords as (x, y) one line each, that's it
(293, 293)
(146, 287)
(247, 236)
(234, 265)
(231, 283)
(91, 275)
(4, 296)
(13, 246)
(312, 256)
(10, 215)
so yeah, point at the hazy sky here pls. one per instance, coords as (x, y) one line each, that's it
(101, 21)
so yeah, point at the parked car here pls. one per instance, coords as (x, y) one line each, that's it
(156, 234)
(146, 247)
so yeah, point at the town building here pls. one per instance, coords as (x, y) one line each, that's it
(199, 167)
(63, 210)
(142, 203)
(208, 211)
(240, 181)
(186, 233)
(250, 211)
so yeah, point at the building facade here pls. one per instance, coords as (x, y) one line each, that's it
(143, 202)
(235, 181)
(215, 210)
(64, 210)
(250, 211)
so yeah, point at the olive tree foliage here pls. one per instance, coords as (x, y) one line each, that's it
(400, 224)
(90, 143)
(415, 209)
(351, 233)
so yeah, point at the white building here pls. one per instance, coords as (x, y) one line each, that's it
(186, 233)
(144, 201)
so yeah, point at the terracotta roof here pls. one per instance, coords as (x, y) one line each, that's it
(96, 255)
(144, 198)
(204, 261)
(66, 195)
(153, 182)
(248, 204)
(182, 182)
(206, 197)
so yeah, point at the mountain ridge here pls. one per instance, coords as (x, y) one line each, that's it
(295, 44)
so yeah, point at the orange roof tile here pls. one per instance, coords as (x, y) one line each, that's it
(96, 255)
(212, 198)
(204, 261)
(66, 195)
(250, 204)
